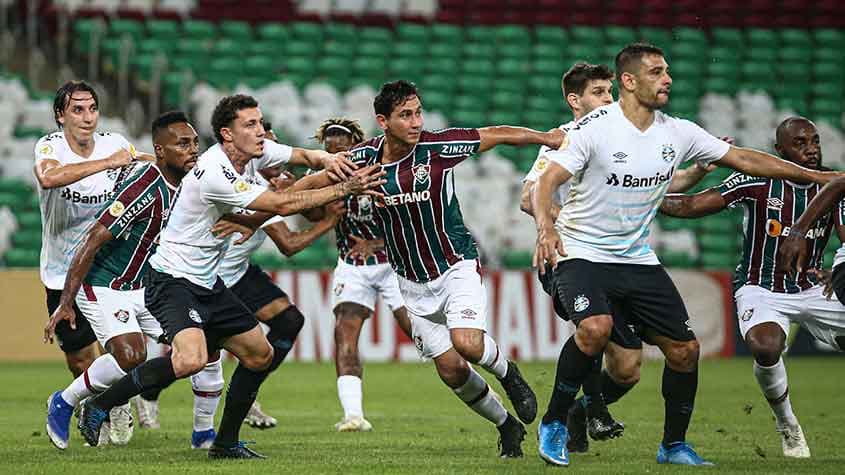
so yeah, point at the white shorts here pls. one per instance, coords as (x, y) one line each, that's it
(362, 284)
(116, 312)
(825, 319)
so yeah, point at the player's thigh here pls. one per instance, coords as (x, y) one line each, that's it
(175, 303)
(622, 363)
(825, 319)
(465, 304)
(756, 306)
(581, 288)
(431, 339)
(250, 347)
(652, 300)
(78, 343)
(110, 312)
(388, 286)
(260, 294)
(351, 284)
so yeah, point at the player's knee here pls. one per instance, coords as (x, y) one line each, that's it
(627, 373)
(286, 324)
(766, 347)
(259, 360)
(128, 356)
(593, 333)
(469, 345)
(188, 364)
(453, 371)
(683, 355)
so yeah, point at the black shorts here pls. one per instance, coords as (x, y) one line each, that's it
(838, 282)
(179, 304)
(643, 296)
(626, 335)
(70, 340)
(256, 289)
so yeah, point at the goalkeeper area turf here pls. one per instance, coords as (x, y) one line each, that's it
(420, 426)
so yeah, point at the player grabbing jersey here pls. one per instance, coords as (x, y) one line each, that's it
(436, 258)
(621, 158)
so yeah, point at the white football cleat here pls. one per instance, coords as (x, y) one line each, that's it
(147, 413)
(258, 418)
(793, 441)
(353, 424)
(120, 431)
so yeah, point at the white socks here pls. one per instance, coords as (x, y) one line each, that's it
(351, 396)
(480, 398)
(102, 373)
(772, 381)
(208, 386)
(492, 360)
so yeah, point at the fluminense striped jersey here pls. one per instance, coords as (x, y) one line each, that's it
(134, 217)
(771, 207)
(360, 221)
(421, 220)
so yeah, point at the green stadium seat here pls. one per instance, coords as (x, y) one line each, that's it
(22, 258)
(15, 186)
(298, 64)
(120, 27)
(444, 50)
(23, 131)
(478, 66)
(27, 239)
(512, 50)
(794, 37)
(514, 35)
(84, 30)
(268, 260)
(28, 220)
(718, 261)
(259, 66)
(413, 32)
(511, 84)
(727, 37)
(226, 47)
(504, 117)
(374, 49)
(479, 50)
(794, 104)
(198, 29)
(236, 30)
(827, 90)
(375, 34)
(718, 243)
(791, 73)
(516, 259)
(173, 84)
(277, 32)
(826, 107)
(156, 45)
(328, 65)
(436, 100)
(543, 66)
(829, 37)
(162, 29)
(828, 55)
(794, 54)
(343, 32)
(677, 260)
(192, 62)
(722, 54)
(513, 67)
(720, 69)
(479, 34)
(410, 68)
(432, 83)
(143, 65)
(686, 51)
(582, 52)
(723, 86)
(409, 49)
(368, 66)
(442, 66)
(657, 36)
(586, 34)
(619, 35)
(551, 52)
(470, 102)
(191, 46)
(299, 48)
(691, 36)
(443, 32)
(265, 48)
(685, 69)
(551, 35)
(312, 32)
(468, 82)
(762, 37)
(761, 54)
(828, 72)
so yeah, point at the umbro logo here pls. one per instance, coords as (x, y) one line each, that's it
(612, 180)
(774, 204)
(620, 157)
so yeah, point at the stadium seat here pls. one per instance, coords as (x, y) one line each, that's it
(272, 32)
(198, 29)
(235, 30)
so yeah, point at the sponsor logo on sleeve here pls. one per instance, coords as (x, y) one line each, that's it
(241, 186)
(541, 164)
(46, 149)
(116, 209)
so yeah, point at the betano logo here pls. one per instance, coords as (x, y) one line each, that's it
(774, 228)
(403, 198)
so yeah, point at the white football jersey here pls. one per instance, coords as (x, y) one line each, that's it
(620, 175)
(68, 212)
(187, 248)
(540, 165)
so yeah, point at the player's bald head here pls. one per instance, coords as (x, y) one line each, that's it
(790, 127)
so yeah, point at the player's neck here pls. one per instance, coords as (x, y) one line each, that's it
(83, 149)
(394, 149)
(238, 159)
(172, 177)
(640, 116)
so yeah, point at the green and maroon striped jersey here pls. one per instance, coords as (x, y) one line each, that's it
(421, 221)
(359, 222)
(135, 217)
(771, 207)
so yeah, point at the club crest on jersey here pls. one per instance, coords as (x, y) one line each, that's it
(774, 204)
(194, 315)
(241, 186)
(365, 208)
(667, 151)
(421, 173)
(338, 289)
(116, 209)
(581, 303)
(122, 316)
(746, 315)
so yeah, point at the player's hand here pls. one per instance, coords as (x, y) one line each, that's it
(282, 182)
(825, 278)
(339, 166)
(120, 158)
(549, 246)
(61, 313)
(336, 210)
(224, 228)
(364, 248)
(792, 255)
(555, 138)
(364, 181)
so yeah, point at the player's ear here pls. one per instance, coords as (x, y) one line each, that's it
(382, 121)
(573, 100)
(158, 150)
(226, 133)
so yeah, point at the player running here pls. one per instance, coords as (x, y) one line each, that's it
(362, 273)
(104, 279)
(182, 289)
(434, 256)
(76, 169)
(585, 88)
(623, 157)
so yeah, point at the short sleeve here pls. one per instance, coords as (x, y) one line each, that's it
(134, 196)
(739, 187)
(222, 185)
(840, 213)
(539, 166)
(454, 145)
(275, 154)
(704, 148)
(45, 150)
(125, 144)
(575, 152)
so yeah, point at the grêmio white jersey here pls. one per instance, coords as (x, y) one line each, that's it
(68, 212)
(620, 176)
(540, 165)
(187, 248)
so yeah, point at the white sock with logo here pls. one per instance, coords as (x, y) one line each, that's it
(492, 360)
(208, 386)
(351, 396)
(476, 393)
(773, 382)
(102, 373)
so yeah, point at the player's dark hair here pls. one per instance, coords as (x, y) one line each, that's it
(267, 125)
(339, 126)
(629, 59)
(166, 119)
(64, 93)
(227, 110)
(394, 94)
(575, 80)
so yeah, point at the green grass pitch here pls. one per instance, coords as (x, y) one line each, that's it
(421, 427)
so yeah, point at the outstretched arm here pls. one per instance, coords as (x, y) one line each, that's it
(507, 135)
(793, 252)
(52, 174)
(289, 242)
(337, 164)
(693, 206)
(756, 163)
(687, 178)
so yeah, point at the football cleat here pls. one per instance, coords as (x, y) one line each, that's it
(511, 435)
(121, 429)
(520, 394)
(353, 424)
(258, 419)
(59, 413)
(601, 425)
(679, 453)
(576, 424)
(147, 413)
(91, 420)
(203, 439)
(551, 443)
(239, 451)
(793, 441)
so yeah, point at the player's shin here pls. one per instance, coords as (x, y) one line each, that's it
(492, 360)
(207, 386)
(592, 386)
(476, 393)
(773, 383)
(284, 329)
(102, 373)
(679, 389)
(573, 366)
(150, 374)
(611, 390)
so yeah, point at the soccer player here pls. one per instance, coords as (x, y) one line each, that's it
(622, 157)
(585, 88)
(182, 289)
(362, 273)
(76, 169)
(434, 256)
(108, 269)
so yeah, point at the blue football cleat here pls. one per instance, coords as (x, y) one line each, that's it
(91, 419)
(679, 453)
(203, 439)
(552, 438)
(59, 413)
